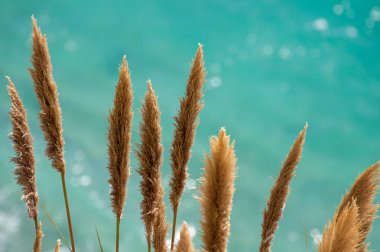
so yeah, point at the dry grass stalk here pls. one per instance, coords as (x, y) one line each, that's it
(342, 233)
(216, 193)
(119, 136)
(47, 94)
(364, 191)
(23, 145)
(184, 244)
(149, 154)
(160, 227)
(50, 115)
(185, 125)
(279, 193)
(57, 246)
(38, 240)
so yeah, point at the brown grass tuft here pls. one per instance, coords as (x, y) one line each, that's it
(23, 145)
(47, 94)
(149, 154)
(364, 191)
(57, 246)
(184, 133)
(342, 233)
(216, 192)
(185, 244)
(186, 122)
(119, 136)
(38, 240)
(279, 193)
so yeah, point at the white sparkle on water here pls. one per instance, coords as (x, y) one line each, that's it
(192, 230)
(268, 50)
(215, 82)
(79, 155)
(9, 225)
(191, 184)
(85, 180)
(320, 24)
(293, 236)
(316, 235)
(375, 14)
(285, 53)
(351, 32)
(251, 38)
(338, 9)
(77, 169)
(70, 46)
(215, 68)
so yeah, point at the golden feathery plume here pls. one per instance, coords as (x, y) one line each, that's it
(149, 154)
(184, 244)
(23, 145)
(50, 115)
(342, 233)
(185, 124)
(57, 246)
(364, 190)
(119, 137)
(216, 192)
(47, 94)
(279, 193)
(38, 240)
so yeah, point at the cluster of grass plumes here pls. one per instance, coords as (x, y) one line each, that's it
(347, 231)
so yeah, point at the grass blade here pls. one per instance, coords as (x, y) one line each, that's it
(100, 243)
(56, 227)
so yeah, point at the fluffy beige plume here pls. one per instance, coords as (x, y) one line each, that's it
(342, 233)
(184, 244)
(119, 137)
(184, 133)
(50, 115)
(279, 193)
(57, 246)
(119, 143)
(364, 191)
(216, 192)
(149, 154)
(47, 94)
(23, 145)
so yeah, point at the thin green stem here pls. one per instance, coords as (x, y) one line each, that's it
(117, 232)
(68, 210)
(173, 227)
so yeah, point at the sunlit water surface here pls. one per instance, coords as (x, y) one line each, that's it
(272, 65)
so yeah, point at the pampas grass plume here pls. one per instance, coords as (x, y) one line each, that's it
(216, 192)
(47, 94)
(364, 191)
(279, 193)
(342, 233)
(119, 137)
(23, 145)
(184, 244)
(149, 154)
(184, 133)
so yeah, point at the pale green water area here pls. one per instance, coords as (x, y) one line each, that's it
(272, 65)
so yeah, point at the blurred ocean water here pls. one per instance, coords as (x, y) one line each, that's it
(272, 65)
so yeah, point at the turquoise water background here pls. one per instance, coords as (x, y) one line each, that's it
(272, 66)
